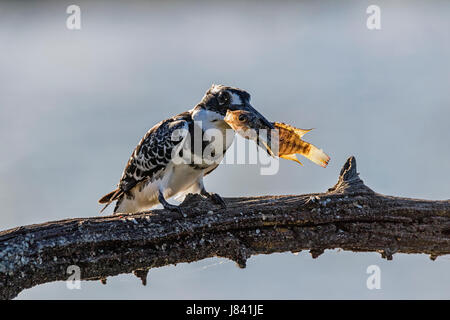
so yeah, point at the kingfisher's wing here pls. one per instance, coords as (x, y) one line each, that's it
(154, 152)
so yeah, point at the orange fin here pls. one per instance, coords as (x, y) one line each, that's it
(291, 157)
(302, 132)
(317, 156)
(298, 131)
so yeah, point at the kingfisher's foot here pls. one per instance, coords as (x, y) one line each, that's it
(218, 199)
(214, 198)
(169, 206)
(174, 208)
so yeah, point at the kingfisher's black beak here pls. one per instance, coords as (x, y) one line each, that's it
(262, 127)
(264, 137)
(263, 120)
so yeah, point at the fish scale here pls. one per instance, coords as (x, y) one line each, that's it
(290, 143)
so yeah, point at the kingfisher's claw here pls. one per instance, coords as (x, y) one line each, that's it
(214, 197)
(218, 199)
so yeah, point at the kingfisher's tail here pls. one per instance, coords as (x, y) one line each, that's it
(110, 197)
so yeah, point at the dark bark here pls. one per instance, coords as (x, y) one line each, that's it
(349, 216)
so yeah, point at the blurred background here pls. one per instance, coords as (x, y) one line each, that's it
(74, 104)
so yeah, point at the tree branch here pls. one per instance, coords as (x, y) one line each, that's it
(349, 216)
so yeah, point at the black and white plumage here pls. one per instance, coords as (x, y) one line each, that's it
(152, 175)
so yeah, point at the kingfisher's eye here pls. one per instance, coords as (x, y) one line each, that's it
(222, 98)
(242, 118)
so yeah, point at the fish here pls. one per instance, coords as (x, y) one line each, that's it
(288, 144)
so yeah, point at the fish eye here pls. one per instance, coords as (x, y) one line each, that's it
(242, 117)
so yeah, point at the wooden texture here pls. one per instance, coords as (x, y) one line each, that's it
(349, 216)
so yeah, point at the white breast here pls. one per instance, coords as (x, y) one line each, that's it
(181, 178)
(213, 124)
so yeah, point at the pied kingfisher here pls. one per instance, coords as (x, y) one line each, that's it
(151, 175)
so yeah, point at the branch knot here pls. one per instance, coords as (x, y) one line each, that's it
(349, 180)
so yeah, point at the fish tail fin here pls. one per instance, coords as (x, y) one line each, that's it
(317, 155)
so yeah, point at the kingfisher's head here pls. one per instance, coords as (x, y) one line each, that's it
(219, 99)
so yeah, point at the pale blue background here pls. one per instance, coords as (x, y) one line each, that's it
(73, 104)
